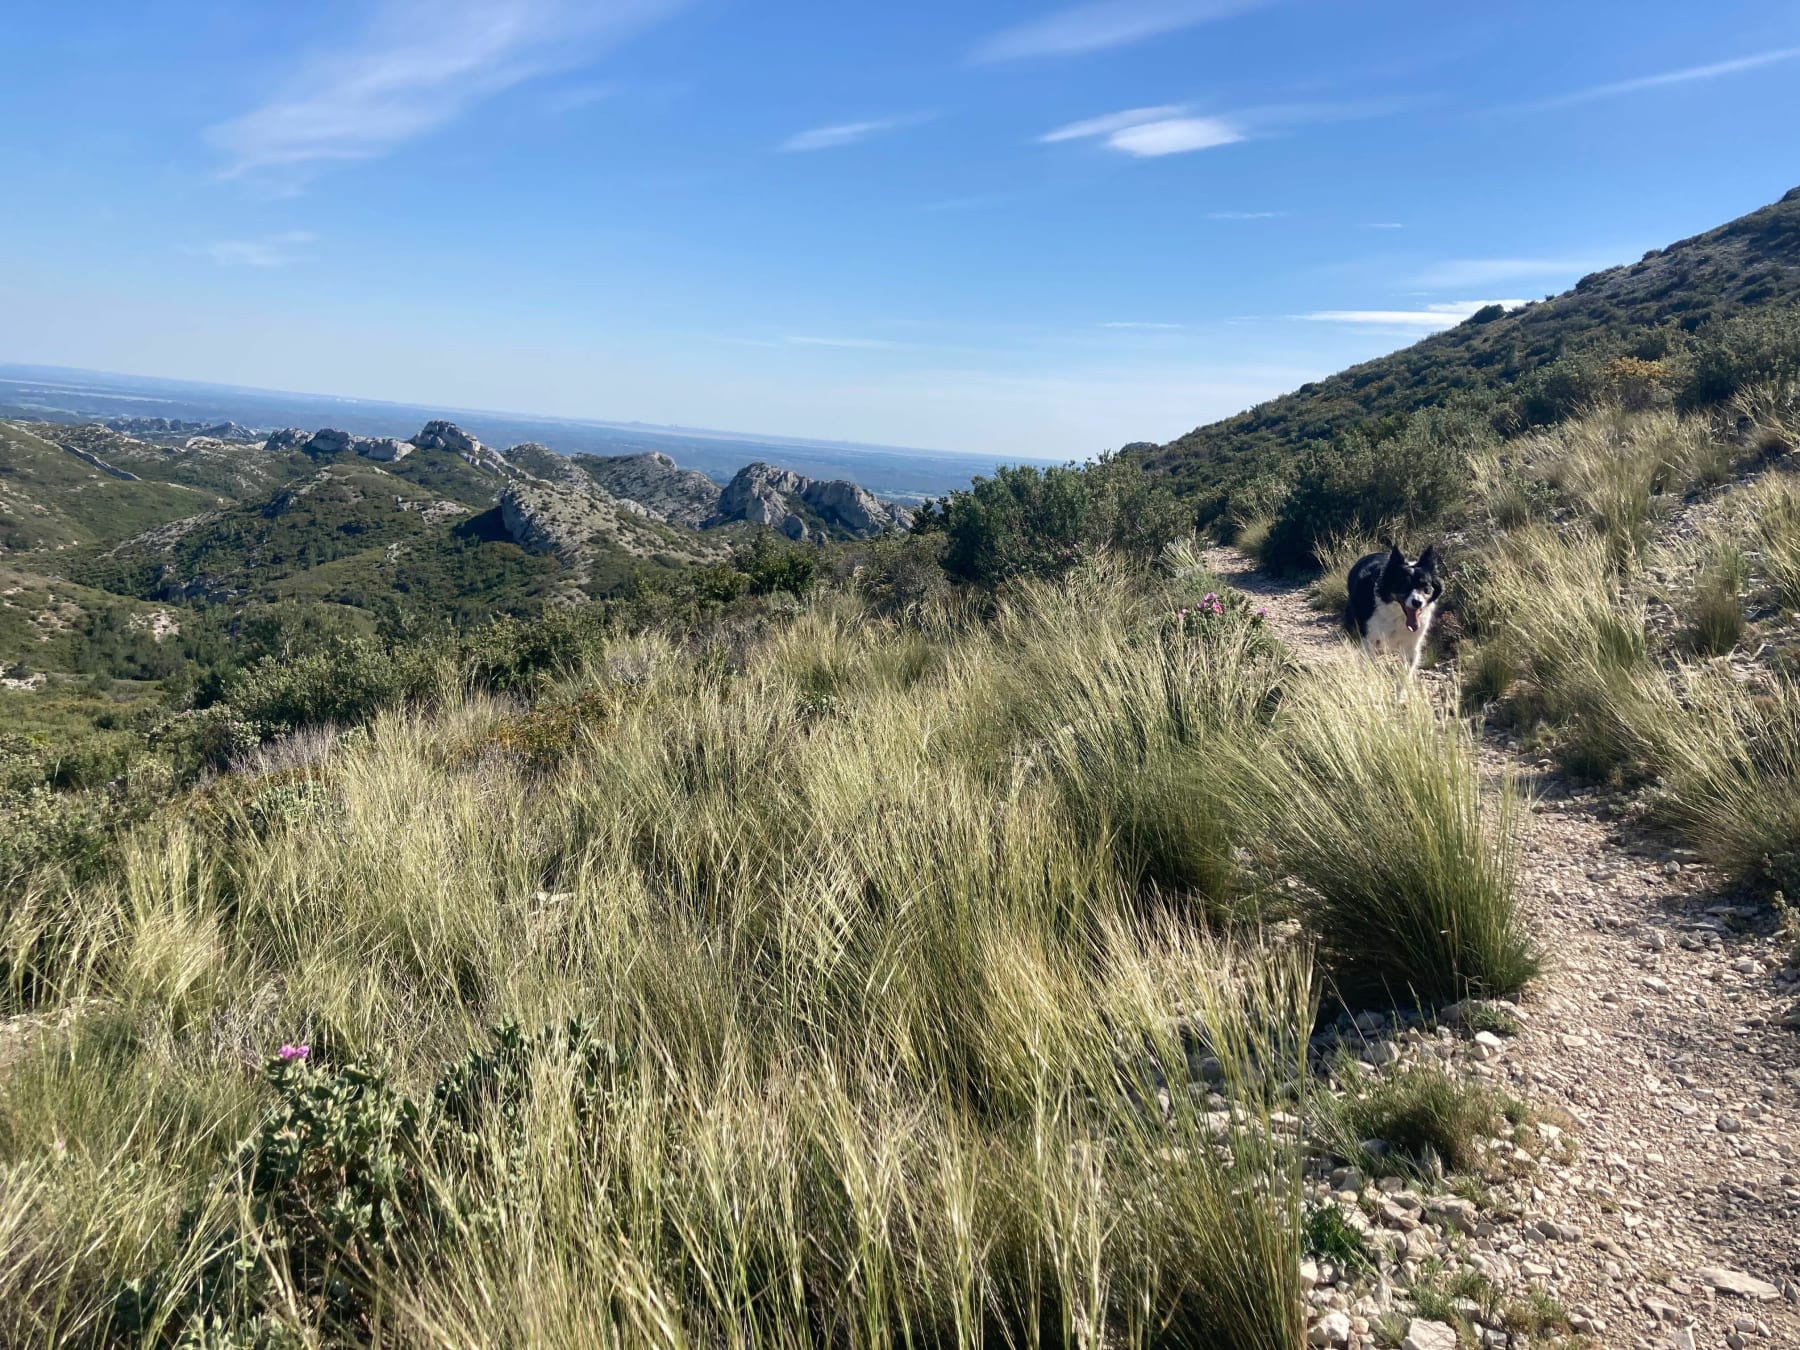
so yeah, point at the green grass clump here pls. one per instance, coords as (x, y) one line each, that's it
(1419, 1111)
(1715, 610)
(1331, 591)
(1330, 1235)
(1732, 771)
(1409, 872)
(1772, 506)
(1555, 615)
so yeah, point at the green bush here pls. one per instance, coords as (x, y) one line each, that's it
(348, 682)
(517, 656)
(1756, 347)
(1407, 484)
(347, 1177)
(1030, 522)
(774, 564)
(902, 574)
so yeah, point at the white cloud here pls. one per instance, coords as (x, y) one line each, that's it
(1687, 75)
(1245, 215)
(1432, 316)
(1175, 136)
(1107, 23)
(1111, 122)
(1150, 132)
(417, 65)
(845, 133)
(1460, 273)
(272, 250)
(1383, 225)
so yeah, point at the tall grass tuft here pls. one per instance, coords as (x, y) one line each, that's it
(1715, 609)
(1773, 508)
(1553, 609)
(1732, 769)
(1331, 591)
(1408, 871)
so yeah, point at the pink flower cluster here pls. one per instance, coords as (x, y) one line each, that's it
(294, 1051)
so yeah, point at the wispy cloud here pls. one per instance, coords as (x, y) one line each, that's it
(847, 133)
(1686, 75)
(1245, 215)
(1172, 128)
(1383, 225)
(272, 250)
(414, 67)
(1111, 122)
(1432, 316)
(1150, 132)
(1467, 272)
(1106, 23)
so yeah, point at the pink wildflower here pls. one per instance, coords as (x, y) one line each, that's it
(294, 1051)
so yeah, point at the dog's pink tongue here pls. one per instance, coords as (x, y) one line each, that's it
(1412, 620)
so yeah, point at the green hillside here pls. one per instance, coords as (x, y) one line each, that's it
(50, 499)
(1678, 323)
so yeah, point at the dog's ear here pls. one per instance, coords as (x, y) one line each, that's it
(1396, 559)
(1428, 559)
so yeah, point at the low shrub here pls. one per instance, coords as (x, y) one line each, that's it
(1031, 522)
(1401, 486)
(1758, 346)
(777, 565)
(346, 682)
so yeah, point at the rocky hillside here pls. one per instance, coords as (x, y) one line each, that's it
(805, 508)
(655, 482)
(162, 512)
(1530, 366)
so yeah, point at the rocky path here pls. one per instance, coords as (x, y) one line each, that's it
(1665, 1033)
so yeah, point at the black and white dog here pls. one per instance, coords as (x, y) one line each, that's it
(1391, 604)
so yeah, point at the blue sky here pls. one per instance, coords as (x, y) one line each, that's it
(1012, 228)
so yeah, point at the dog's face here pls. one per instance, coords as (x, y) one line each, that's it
(1412, 586)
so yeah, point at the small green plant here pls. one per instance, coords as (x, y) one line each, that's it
(1536, 1315)
(1418, 1111)
(1330, 1235)
(1787, 918)
(1482, 1016)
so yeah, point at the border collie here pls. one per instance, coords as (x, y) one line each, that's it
(1391, 604)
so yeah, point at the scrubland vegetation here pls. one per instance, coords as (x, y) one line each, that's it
(908, 942)
(827, 951)
(859, 965)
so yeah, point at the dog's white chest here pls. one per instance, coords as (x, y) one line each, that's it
(1388, 635)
